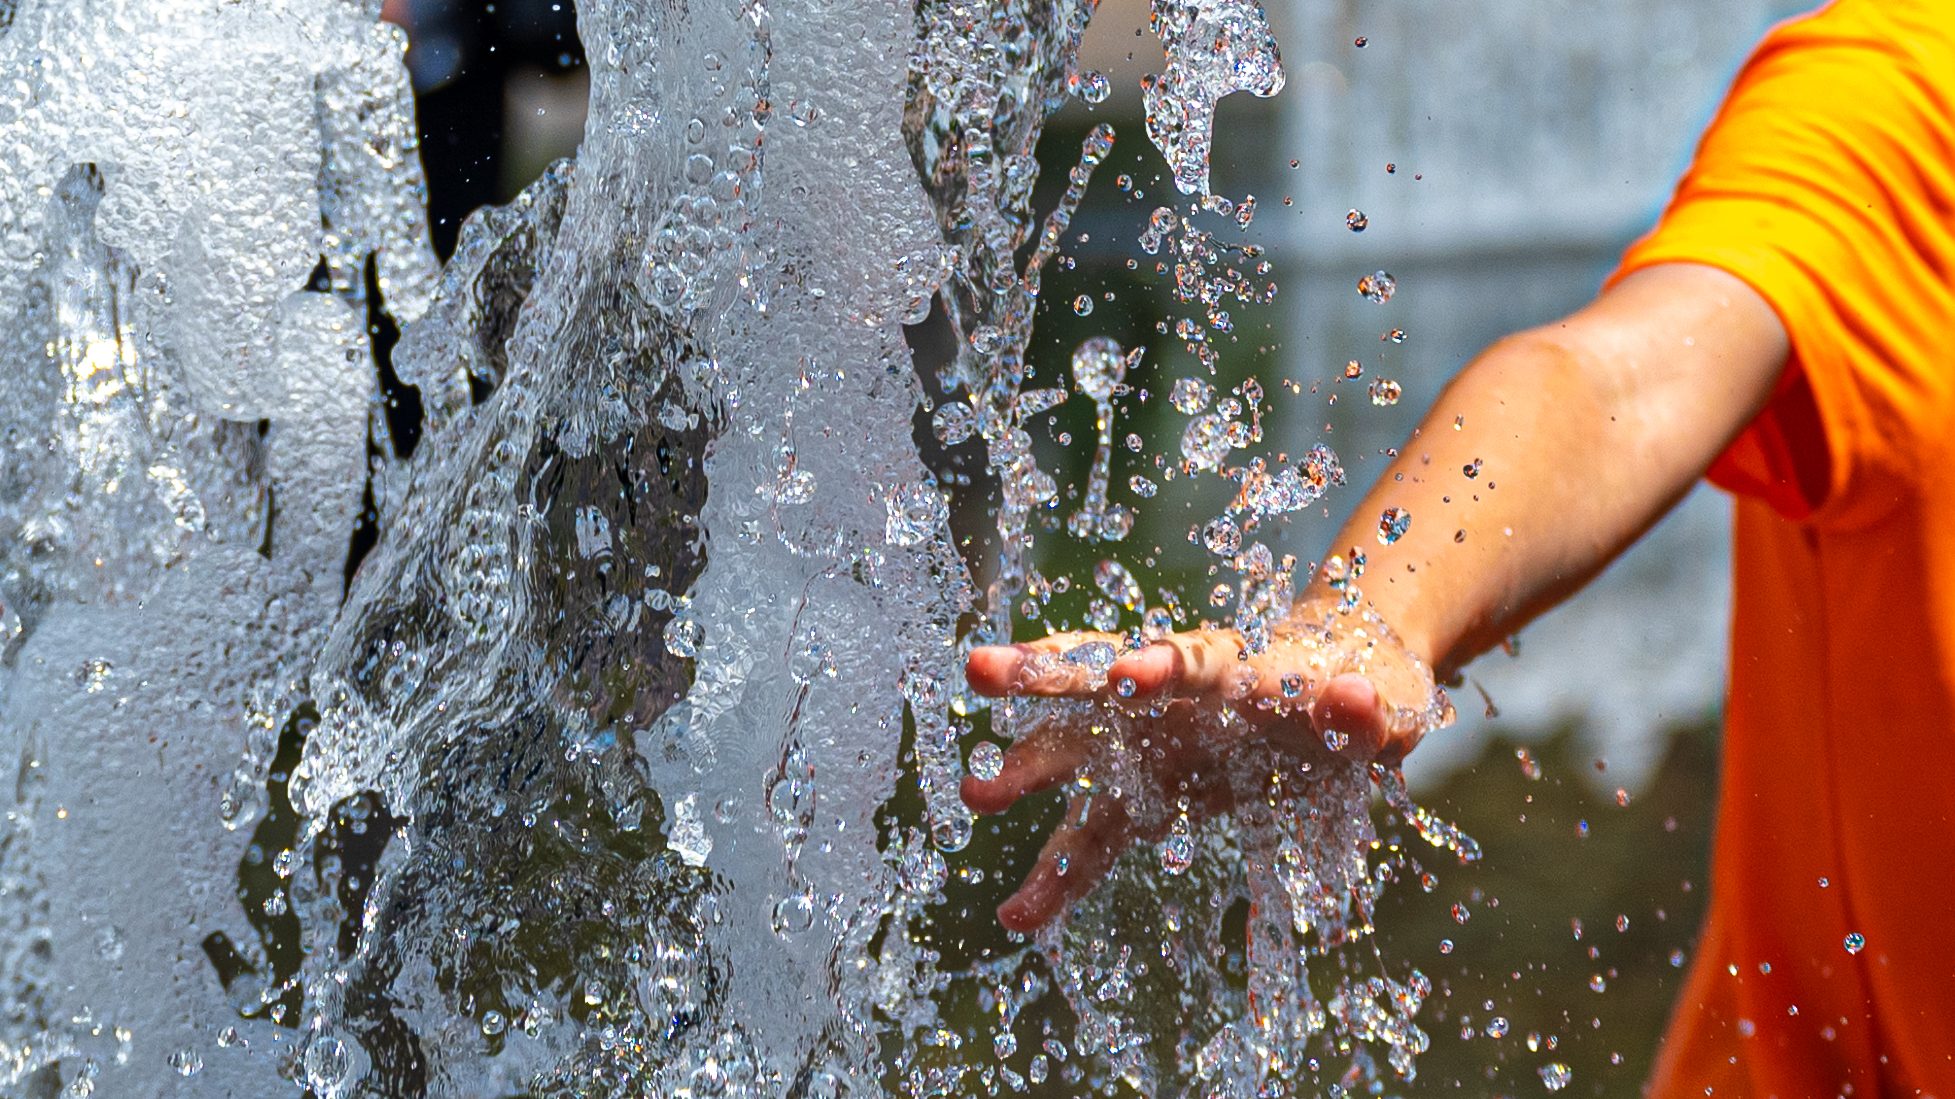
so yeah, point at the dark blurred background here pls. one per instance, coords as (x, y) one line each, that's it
(1503, 151)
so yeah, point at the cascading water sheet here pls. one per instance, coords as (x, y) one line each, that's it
(626, 760)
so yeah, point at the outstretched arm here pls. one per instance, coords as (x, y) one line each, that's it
(1580, 435)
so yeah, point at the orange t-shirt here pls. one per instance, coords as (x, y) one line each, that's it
(1827, 183)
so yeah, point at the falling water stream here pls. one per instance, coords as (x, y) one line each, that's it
(626, 761)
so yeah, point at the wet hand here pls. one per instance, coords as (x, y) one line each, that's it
(1330, 681)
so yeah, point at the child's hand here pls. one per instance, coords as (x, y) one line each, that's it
(1330, 681)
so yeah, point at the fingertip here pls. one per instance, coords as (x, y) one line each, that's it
(1350, 704)
(986, 797)
(992, 670)
(1026, 911)
(1152, 668)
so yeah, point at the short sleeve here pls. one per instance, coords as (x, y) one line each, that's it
(1827, 184)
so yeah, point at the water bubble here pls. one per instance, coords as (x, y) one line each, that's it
(986, 339)
(953, 422)
(1355, 221)
(1385, 392)
(1336, 739)
(1555, 1075)
(1392, 525)
(1125, 687)
(987, 761)
(1379, 286)
(1855, 942)
(1292, 685)
(493, 1023)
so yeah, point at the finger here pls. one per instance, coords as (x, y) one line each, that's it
(1038, 762)
(1201, 664)
(1354, 719)
(1035, 667)
(1073, 861)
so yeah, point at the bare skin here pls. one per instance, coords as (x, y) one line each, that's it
(1580, 435)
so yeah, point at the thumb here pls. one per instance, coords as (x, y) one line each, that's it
(1354, 720)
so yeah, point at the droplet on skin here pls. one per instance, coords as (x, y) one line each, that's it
(1392, 525)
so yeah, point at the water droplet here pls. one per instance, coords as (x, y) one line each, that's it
(1445, 946)
(493, 1023)
(186, 1062)
(1178, 850)
(953, 422)
(1555, 1075)
(1461, 913)
(1089, 85)
(1292, 685)
(1125, 686)
(1337, 740)
(915, 513)
(1597, 984)
(683, 635)
(1855, 942)
(1207, 441)
(1396, 335)
(1355, 221)
(1222, 537)
(1379, 286)
(1360, 41)
(1119, 584)
(1392, 525)
(1676, 959)
(1497, 1026)
(327, 1065)
(1385, 392)
(1353, 369)
(1190, 395)
(1142, 487)
(794, 914)
(1622, 923)
(987, 761)
(1083, 304)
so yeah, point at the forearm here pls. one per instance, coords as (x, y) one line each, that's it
(1578, 438)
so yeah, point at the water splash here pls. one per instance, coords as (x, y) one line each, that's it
(592, 778)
